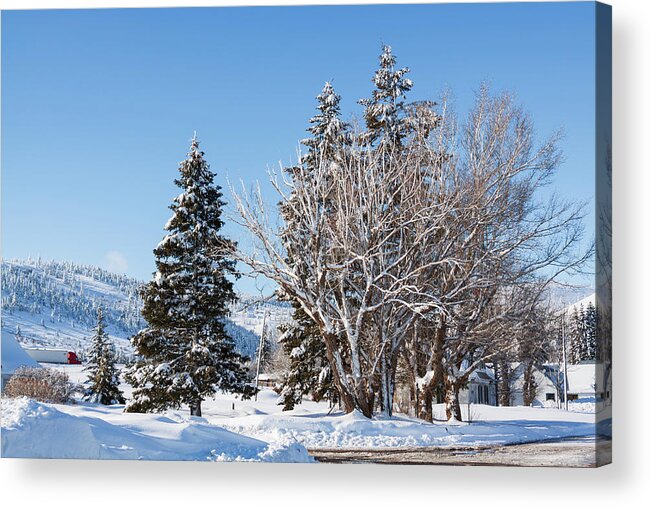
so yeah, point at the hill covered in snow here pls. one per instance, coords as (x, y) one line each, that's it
(53, 303)
(562, 296)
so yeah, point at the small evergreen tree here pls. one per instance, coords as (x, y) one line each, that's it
(384, 111)
(185, 354)
(309, 371)
(583, 334)
(329, 132)
(575, 335)
(103, 381)
(590, 332)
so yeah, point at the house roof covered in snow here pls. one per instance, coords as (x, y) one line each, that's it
(13, 355)
(581, 378)
(545, 374)
(482, 375)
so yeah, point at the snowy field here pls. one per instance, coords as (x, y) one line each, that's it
(311, 425)
(37, 430)
(235, 430)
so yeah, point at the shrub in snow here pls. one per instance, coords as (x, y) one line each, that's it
(41, 384)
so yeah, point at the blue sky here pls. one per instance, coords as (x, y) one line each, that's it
(98, 106)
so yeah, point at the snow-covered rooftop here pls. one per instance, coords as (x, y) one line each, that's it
(13, 355)
(581, 378)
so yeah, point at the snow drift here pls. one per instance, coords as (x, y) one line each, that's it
(496, 426)
(37, 430)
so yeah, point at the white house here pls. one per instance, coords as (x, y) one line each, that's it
(267, 380)
(481, 388)
(589, 380)
(546, 378)
(13, 357)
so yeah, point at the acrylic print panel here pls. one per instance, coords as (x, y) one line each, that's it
(424, 278)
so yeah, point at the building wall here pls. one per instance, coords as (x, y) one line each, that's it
(544, 386)
(472, 395)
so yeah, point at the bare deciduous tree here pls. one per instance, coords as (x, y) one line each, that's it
(435, 251)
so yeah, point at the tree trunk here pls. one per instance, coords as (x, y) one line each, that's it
(437, 362)
(529, 386)
(426, 394)
(352, 397)
(386, 390)
(503, 383)
(364, 401)
(347, 400)
(425, 399)
(345, 397)
(195, 408)
(452, 406)
(413, 397)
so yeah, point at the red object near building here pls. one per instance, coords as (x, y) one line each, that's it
(73, 359)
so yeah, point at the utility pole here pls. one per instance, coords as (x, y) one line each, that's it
(260, 347)
(564, 363)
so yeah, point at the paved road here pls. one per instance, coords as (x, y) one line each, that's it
(574, 452)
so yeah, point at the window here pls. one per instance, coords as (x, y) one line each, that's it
(550, 397)
(482, 394)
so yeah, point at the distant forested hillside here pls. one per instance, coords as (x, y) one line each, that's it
(53, 303)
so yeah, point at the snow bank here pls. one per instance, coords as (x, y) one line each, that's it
(588, 405)
(496, 426)
(37, 430)
(248, 430)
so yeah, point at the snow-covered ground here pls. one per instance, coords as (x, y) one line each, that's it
(311, 425)
(234, 429)
(38, 430)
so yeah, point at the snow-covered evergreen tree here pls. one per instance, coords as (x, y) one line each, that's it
(575, 335)
(590, 332)
(384, 111)
(583, 334)
(329, 131)
(185, 353)
(102, 385)
(301, 339)
(309, 371)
